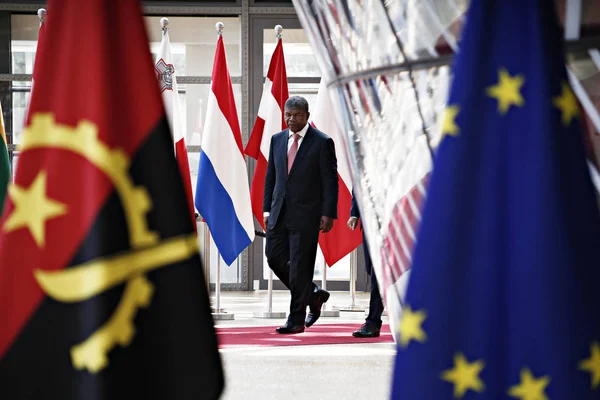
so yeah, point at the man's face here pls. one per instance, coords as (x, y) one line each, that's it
(295, 119)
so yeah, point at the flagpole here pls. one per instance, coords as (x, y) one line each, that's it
(324, 311)
(269, 313)
(218, 312)
(42, 15)
(352, 284)
(164, 22)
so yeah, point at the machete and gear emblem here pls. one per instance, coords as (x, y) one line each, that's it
(84, 281)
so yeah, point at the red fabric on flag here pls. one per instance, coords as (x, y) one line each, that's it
(398, 244)
(341, 240)
(259, 138)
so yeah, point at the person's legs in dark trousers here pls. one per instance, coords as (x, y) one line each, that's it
(373, 321)
(303, 253)
(277, 250)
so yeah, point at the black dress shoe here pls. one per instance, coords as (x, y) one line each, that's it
(290, 329)
(320, 296)
(366, 331)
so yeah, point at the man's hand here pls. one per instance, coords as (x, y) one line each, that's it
(266, 221)
(352, 223)
(326, 224)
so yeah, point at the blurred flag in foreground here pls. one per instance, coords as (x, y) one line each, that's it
(222, 191)
(101, 287)
(503, 297)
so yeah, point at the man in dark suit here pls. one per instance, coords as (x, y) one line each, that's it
(372, 325)
(301, 195)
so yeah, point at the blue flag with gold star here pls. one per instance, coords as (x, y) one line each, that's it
(504, 294)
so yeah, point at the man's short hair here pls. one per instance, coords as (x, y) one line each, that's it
(297, 102)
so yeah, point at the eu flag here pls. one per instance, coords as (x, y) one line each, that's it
(504, 294)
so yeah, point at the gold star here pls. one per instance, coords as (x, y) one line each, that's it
(33, 209)
(530, 388)
(464, 375)
(449, 126)
(567, 103)
(410, 326)
(507, 91)
(592, 364)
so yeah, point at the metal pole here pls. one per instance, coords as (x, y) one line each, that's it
(218, 284)
(270, 313)
(219, 313)
(353, 279)
(270, 290)
(207, 257)
(352, 284)
(324, 311)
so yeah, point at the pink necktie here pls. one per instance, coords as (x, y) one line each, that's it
(293, 151)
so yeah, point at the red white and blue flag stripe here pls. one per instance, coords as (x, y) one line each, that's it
(222, 191)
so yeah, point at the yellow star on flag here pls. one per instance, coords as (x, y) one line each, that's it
(410, 326)
(592, 364)
(507, 91)
(530, 388)
(33, 208)
(464, 375)
(449, 126)
(567, 104)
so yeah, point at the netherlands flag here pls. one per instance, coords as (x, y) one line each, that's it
(222, 192)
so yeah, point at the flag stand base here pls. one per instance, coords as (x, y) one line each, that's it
(221, 315)
(269, 314)
(350, 308)
(330, 313)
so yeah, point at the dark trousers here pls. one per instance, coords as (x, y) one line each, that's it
(299, 248)
(375, 303)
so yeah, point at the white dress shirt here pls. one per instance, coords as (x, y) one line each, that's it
(302, 133)
(291, 137)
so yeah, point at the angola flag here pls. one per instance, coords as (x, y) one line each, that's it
(4, 162)
(101, 287)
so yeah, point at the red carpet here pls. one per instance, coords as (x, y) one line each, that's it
(264, 336)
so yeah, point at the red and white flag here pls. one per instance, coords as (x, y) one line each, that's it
(268, 122)
(340, 241)
(166, 76)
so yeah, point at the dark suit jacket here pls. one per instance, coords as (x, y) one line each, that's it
(354, 211)
(311, 189)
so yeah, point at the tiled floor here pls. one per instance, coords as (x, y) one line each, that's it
(356, 371)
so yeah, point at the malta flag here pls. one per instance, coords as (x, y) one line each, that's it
(336, 244)
(268, 122)
(102, 294)
(222, 192)
(167, 83)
